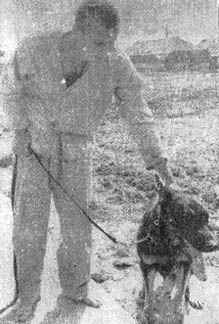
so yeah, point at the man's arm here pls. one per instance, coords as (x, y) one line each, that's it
(13, 94)
(134, 110)
(14, 97)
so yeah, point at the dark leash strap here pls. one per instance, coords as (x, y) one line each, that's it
(13, 190)
(72, 198)
(13, 183)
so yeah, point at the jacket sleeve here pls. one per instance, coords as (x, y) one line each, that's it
(14, 95)
(133, 108)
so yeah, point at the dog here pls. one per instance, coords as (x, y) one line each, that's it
(170, 241)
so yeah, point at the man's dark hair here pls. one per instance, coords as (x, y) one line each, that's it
(104, 12)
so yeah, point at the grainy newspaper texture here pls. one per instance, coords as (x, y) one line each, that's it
(109, 177)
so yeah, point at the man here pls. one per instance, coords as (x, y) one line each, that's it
(56, 91)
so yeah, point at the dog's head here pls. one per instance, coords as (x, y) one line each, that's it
(174, 219)
(186, 217)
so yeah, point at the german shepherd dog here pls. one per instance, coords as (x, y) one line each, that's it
(170, 241)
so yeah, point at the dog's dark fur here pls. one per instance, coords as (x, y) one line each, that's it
(174, 220)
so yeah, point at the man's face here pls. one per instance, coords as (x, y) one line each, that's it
(99, 40)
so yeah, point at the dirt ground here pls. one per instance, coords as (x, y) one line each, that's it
(187, 121)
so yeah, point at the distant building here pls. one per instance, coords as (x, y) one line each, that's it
(160, 48)
(147, 62)
(147, 59)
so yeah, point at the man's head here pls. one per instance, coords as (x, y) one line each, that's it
(99, 23)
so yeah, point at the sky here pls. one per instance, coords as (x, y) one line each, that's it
(192, 20)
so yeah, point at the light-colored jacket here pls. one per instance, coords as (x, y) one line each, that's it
(35, 95)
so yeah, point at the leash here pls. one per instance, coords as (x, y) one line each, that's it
(72, 198)
(13, 184)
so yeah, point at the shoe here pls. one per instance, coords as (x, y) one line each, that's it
(20, 312)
